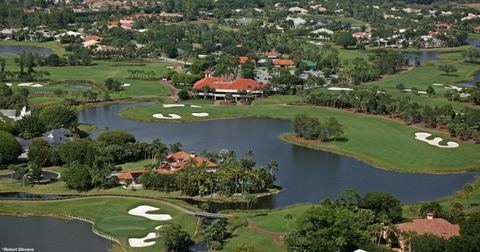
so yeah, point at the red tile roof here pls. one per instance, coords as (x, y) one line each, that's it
(177, 158)
(130, 175)
(222, 83)
(208, 71)
(273, 54)
(283, 62)
(113, 23)
(244, 60)
(436, 226)
(92, 37)
(127, 25)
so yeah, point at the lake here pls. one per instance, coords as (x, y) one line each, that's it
(46, 234)
(306, 175)
(28, 49)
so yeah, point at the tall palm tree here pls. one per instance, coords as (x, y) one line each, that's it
(468, 188)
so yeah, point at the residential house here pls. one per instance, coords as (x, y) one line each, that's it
(273, 55)
(182, 159)
(435, 226)
(91, 40)
(131, 178)
(297, 22)
(57, 136)
(362, 37)
(12, 113)
(7, 33)
(298, 10)
(244, 59)
(68, 33)
(283, 63)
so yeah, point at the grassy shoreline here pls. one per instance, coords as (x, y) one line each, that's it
(365, 134)
(292, 139)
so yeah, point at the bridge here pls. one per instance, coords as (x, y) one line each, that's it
(213, 215)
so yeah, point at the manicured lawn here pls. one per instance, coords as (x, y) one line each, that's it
(384, 143)
(109, 213)
(52, 45)
(474, 35)
(244, 236)
(349, 54)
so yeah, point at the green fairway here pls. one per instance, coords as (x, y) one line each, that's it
(109, 213)
(246, 237)
(384, 143)
(61, 78)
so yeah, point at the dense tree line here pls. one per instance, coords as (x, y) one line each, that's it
(463, 124)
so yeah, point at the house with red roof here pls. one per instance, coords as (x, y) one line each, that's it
(434, 226)
(283, 63)
(182, 159)
(273, 55)
(220, 87)
(131, 178)
(91, 40)
(244, 59)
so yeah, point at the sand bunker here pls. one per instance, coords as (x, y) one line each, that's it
(141, 242)
(454, 88)
(26, 84)
(422, 136)
(339, 89)
(409, 90)
(195, 106)
(126, 85)
(437, 84)
(159, 227)
(200, 114)
(173, 105)
(37, 85)
(9, 84)
(170, 116)
(142, 212)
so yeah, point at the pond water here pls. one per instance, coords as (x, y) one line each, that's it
(81, 86)
(472, 82)
(24, 195)
(46, 175)
(28, 49)
(474, 42)
(423, 56)
(45, 234)
(306, 175)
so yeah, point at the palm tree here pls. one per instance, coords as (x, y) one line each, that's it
(407, 236)
(250, 199)
(468, 188)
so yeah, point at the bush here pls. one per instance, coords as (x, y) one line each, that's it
(116, 137)
(10, 148)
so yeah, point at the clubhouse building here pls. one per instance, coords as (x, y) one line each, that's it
(220, 87)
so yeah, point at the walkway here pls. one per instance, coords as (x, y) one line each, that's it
(175, 61)
(277, 237)
(173, 92)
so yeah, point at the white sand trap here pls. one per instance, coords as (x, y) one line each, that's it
(170, 116)
(437, 84)
(173, 105)
(159, 227)
(422, 136)
(200, 114)
(142, 212)
(26, 84)
(37, 85)
(339, 89)
(454, 88)
(141, 242)
(9, 84)
(409, 90)
(195, 106)
(126, 85)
